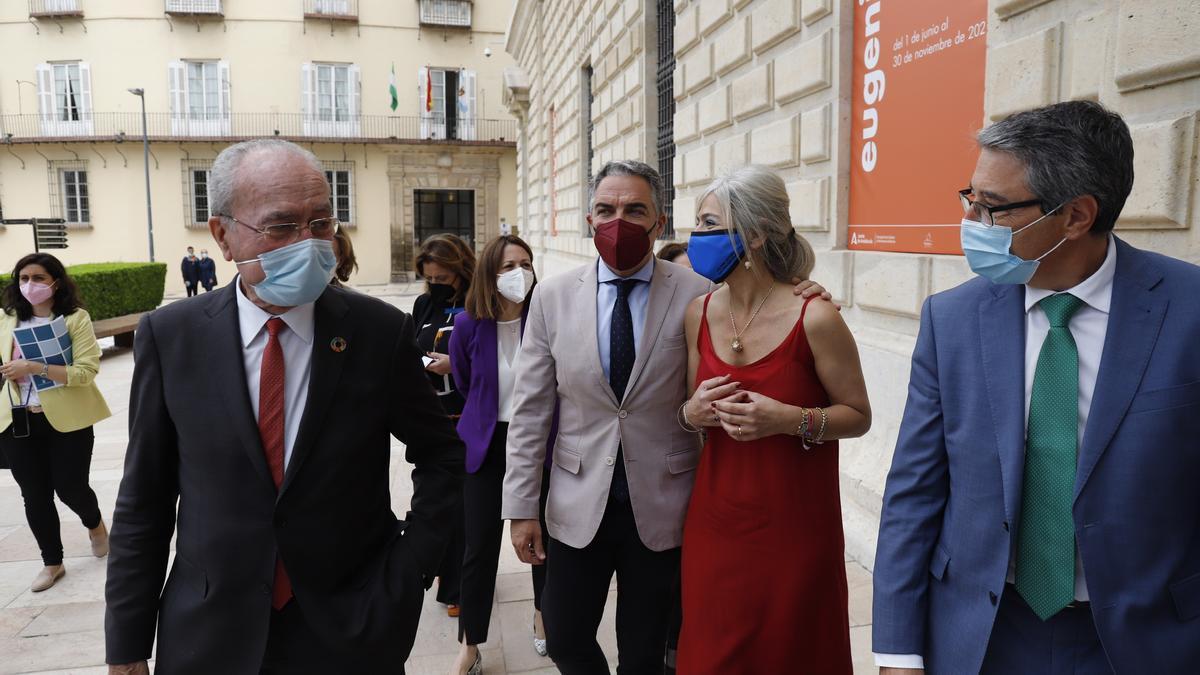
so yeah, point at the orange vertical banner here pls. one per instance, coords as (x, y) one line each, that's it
(917, 103)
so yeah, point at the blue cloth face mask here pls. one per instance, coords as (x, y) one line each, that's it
(297, 274)
(714, 253)
(989, 252)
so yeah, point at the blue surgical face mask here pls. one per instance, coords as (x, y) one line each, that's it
(714, 253)
(989, 252)
(297, 274)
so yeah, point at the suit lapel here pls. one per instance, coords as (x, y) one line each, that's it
(589, 300)
(662, 292)
(1002, 343)
(225, 358)
(327, 366)
(1134, 321)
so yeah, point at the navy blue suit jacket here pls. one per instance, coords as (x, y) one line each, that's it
(953, 496)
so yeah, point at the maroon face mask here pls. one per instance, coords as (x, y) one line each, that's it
(622, 244)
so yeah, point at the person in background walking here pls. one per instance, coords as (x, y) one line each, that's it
(675, 252)
(484, 351)
(47, 435)
(191, 271)
(775, 380)
(208, 271)
(447, 264)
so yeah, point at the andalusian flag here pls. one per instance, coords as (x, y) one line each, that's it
(392, 88)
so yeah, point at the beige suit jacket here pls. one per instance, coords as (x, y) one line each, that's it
(560, 358)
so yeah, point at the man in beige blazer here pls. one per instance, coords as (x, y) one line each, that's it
(607, 341)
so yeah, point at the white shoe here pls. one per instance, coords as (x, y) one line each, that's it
(539, 646)
(99, 537)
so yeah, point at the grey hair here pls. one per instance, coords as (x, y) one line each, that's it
(754, 202)
(629, 167)
(223, 174)
(1070, 149)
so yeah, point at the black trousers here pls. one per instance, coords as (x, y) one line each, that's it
(49, 462)
(577, 583)
(294, 648)
(449, 572)
(191, 288)
(482, 496)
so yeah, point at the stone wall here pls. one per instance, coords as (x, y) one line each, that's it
(767, 81)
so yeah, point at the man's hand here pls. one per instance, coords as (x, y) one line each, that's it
(139, 668)
(440, 364)
(527, 540)
(808, 288)
(901, 671)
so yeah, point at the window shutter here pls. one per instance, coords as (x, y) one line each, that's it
(422, 88)
(468, 111)
(307, 90)
(355, 85)
(223, 83)
(85, 94)
(45, 85)
(176, 79)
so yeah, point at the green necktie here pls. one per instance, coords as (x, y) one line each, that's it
(1046, 538)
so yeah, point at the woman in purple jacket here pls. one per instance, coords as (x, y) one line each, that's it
(484, 350)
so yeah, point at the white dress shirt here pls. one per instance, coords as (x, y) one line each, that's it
(296, 342)
(1089, 326)
(508, 350)
(606, 297)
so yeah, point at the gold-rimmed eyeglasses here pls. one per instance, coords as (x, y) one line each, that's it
(321, 228)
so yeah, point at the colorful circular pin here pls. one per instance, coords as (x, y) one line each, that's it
(338, 344)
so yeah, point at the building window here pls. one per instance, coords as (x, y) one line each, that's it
(453, 13)
(69, 197)
(666, 109)
(65, 98)
(195, 192)
(447, 104)
(199, 98)
(341, 189)
(588, 134)
(331, 99)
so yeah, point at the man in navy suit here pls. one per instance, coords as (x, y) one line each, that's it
(1042, 513)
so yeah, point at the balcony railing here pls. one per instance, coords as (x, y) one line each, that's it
(336, 10)
(93, 127)
(55, 9)
(446, 13)
(198, 8)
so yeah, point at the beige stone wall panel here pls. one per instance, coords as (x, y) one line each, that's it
(812, 11)
(1158, 41)
(1089, 48)
(1006, 9)
(733, 46)
(752, 92)
(774, 21)
(730, 152)
(687, 30)
(698, 68)
(697, 165)
(686, 127)
(1164, 167)
(809, 204)
(1023, 73)
(804, 70)
(713, 13)
(776, 144)
(714, 109)
(891, 284)
(815, 138)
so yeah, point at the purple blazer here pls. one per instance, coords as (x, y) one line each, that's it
(474, 367)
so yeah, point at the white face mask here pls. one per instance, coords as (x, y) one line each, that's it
(515, 284)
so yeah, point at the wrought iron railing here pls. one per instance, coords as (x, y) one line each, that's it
(194, 7)
(32, 128)
(345, 10)
(55, 8)
(452, 13)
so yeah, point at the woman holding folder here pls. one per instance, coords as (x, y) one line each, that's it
(48, 408)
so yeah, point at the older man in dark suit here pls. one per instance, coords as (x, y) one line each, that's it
(273, 470)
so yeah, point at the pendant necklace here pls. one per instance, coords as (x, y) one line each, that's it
(736, 345)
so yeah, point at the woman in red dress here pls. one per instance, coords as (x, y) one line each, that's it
(776, 381)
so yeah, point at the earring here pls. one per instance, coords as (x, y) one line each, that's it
(748, 265)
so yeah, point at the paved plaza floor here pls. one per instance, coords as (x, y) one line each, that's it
(61, 631)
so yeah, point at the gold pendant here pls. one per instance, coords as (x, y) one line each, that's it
(736, 345)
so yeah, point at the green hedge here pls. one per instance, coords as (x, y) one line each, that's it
(116, 289)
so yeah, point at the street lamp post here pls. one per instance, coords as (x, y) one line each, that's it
(140, 93)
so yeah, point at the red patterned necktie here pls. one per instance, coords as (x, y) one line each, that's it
(270, 429)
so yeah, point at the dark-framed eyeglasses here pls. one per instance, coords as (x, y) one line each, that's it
(321, 228)
(986, 214)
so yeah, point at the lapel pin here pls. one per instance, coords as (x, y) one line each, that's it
(338, 344)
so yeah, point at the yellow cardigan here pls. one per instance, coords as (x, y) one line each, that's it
(79, 404)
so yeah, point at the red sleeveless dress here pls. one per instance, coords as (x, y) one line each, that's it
(764, 575)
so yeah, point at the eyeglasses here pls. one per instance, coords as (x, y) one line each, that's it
(987, 214)
(321, 228)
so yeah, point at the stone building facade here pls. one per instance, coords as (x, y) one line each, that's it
(769, 82)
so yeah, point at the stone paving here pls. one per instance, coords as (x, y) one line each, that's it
(60, 631)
